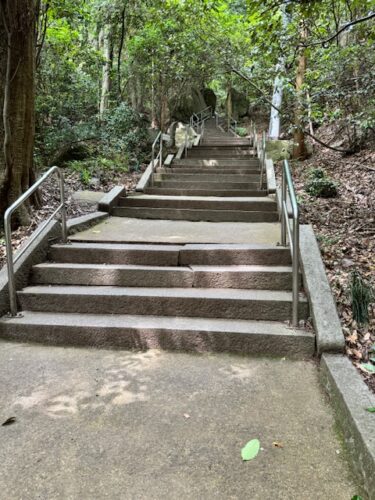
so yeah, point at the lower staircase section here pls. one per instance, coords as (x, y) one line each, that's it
(234, 298)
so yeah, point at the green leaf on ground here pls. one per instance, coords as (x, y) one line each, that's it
(368, 367)
(357, 497)
(250, 450)
(371, 409)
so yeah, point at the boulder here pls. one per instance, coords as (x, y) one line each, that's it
(240, 104)
(210, 98)
(190, 103)
(180, 135)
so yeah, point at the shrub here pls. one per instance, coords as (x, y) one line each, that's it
(361, 297)
(320, 185)
(241, 131)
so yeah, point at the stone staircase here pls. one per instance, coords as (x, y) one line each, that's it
(206, 186)
(200, 297)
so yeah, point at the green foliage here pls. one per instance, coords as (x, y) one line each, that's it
(241, 131)
(123, 133)
(320, 185)
(361, 295)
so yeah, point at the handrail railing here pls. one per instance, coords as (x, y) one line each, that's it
(261, 150)
(11, 260)
(287, 188)
(159, 156)
(197, 123)
(232, 125)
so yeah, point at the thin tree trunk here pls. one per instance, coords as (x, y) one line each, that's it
(299, 149)
(106, 36)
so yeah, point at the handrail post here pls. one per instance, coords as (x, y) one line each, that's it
(161, 151)
(186, 141)
(64, 229)
(10, 266)
(283, 203)
(295, 264)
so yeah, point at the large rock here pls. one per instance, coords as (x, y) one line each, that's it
(240, 104)
(180, 135)
(190, 103)
(210, 98)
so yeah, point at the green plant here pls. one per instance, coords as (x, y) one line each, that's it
(362, 295)
(320, 185)
(316, 173)
(241, 131)
(85, 176)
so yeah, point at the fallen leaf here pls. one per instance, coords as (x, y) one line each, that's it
(250, 450)
(368, 367)
(371, 409)
(9, 421)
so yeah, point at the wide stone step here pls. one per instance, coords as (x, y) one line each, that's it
(175, 169)
(213, 153)
(217, 162)
(170, 255)
(158, 332)
(195, 214)
(206, 177)
(199, 202)
(191, 302)
(110, 253)
(210, 142)
(234, 254)
(210, 185)
(247, 277)
(205, 192)
(232, 145)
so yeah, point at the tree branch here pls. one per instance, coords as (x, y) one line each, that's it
(265, 98)
(325, 42)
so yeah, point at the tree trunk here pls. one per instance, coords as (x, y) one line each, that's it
(299, 149)
(17, 81)
(105, 40)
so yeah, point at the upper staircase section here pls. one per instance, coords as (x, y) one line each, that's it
(218, 180)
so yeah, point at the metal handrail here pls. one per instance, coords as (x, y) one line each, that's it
(232, 125)
(287, 188)
(159, 156)
(197, 123)
(261, 150)
(11, 260)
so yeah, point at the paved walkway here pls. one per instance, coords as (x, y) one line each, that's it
(124, 230)
(95, 424)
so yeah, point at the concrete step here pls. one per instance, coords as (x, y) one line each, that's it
(175, 169)
(247, 277)
(212, 141)
(209, 185)
(195, 214)
(213, 154)
(190, 302)
(199, 202)
(206, 177)
(231, 145)
(110, 253)
(217, 162)
(170, 255)
(230, 255)
(205, 192)
(158, 332)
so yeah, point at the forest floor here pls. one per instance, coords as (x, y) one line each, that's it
(51, 198)
(345, 229)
